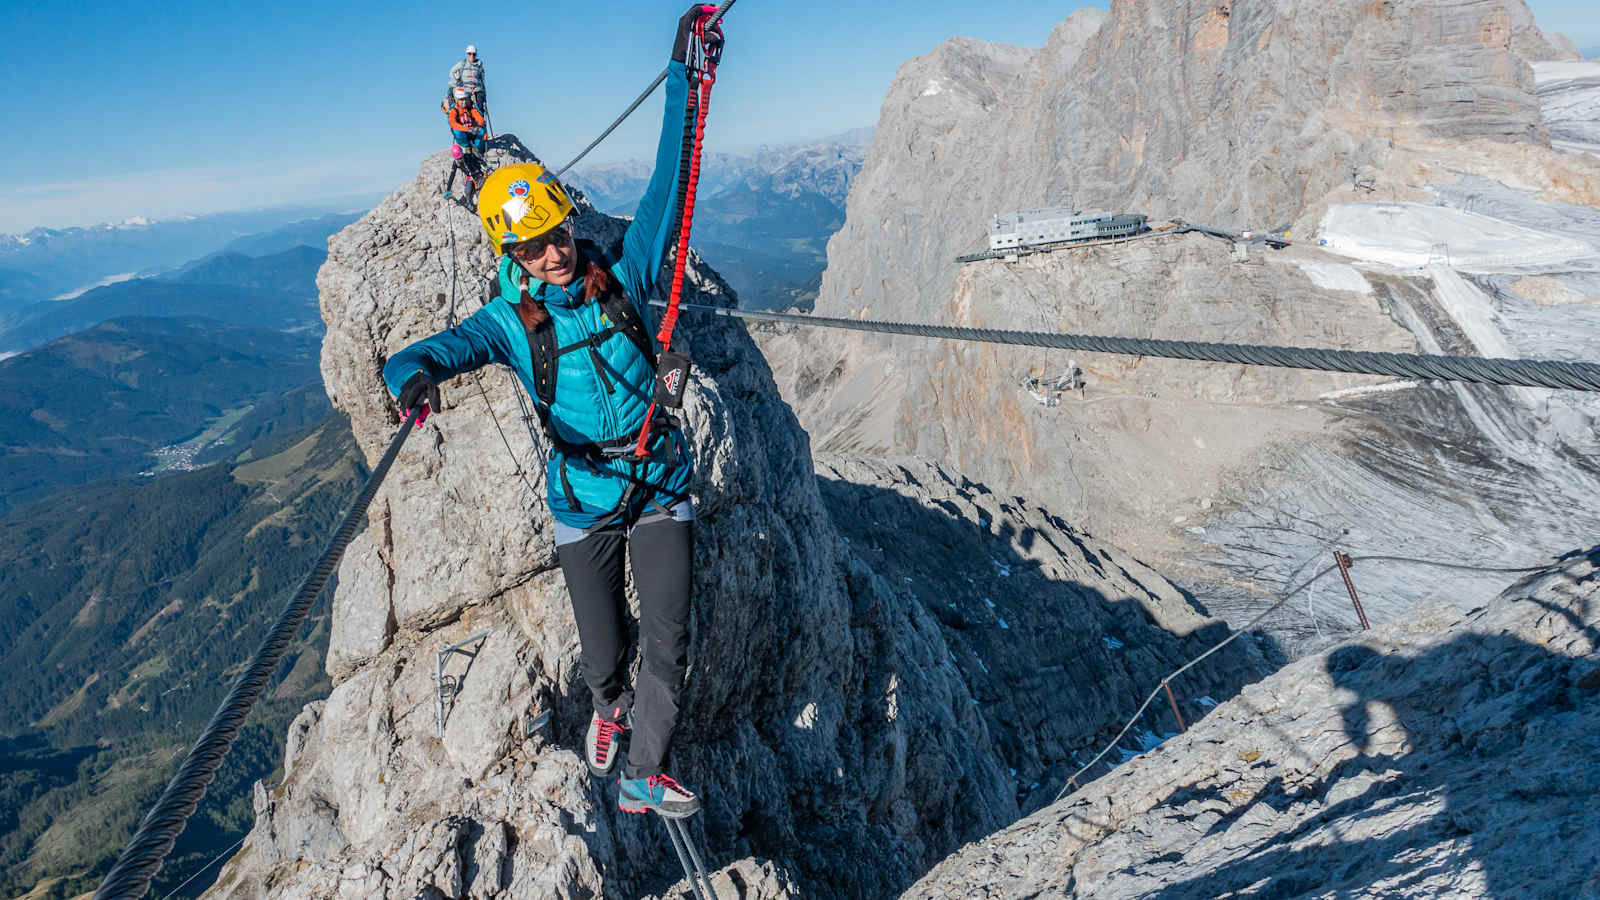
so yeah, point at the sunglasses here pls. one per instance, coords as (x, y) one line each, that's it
(534, 247)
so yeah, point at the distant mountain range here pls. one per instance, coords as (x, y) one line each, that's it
(763, 218)
(276, 292)
(46, 263)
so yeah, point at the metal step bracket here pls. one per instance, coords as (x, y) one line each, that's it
(448, 686)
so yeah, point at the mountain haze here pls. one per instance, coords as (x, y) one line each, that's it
(45, 263)
(763, 218)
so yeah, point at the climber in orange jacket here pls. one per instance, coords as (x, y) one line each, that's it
(466, 121)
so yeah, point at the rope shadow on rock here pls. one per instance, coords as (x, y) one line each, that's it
(1454, 773)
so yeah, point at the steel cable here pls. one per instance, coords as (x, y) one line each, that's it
(1575, 376)
(141, 859)
(1072, 782)
(715, 18)
(516, 388)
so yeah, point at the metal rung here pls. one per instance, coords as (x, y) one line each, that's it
(450, 685)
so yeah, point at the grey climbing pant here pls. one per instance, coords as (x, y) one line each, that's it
(661, 552)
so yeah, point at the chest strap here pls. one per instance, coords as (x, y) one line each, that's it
(544, 354)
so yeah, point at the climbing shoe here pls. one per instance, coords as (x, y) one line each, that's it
(657, 792)
(600, 745)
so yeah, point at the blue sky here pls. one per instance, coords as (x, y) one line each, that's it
(193, 107)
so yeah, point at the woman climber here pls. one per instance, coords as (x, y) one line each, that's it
(566, 307)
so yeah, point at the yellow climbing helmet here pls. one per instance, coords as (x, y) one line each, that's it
(520, 202)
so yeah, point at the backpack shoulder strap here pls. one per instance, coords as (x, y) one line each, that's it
(541, 352)
(622, 312)
(544, 353)
(625, 318)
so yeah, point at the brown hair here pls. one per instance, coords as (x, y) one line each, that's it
(596, 281)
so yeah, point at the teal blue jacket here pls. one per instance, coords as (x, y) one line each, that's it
(601, 396)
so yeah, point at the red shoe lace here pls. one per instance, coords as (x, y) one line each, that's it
(664, 780)
(604, 734)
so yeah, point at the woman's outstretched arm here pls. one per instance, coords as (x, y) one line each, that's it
(644, 247)
(473, 344)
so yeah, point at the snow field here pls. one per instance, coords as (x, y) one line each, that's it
(1334, 276)
(1413, 236)
(1569, 98)
(1553, 71)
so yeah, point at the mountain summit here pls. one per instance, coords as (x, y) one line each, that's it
(880, 656)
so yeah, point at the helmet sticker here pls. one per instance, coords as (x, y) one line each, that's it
(519, 188)
(509, 238)
(515, 209)
(547, 177)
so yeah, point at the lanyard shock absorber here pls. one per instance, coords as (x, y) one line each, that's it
(672, 371)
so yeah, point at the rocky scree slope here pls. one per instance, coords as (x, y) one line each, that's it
(1438, 756)
(1234, 479)
(848, 700)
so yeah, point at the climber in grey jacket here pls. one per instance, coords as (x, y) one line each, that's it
(468, 73)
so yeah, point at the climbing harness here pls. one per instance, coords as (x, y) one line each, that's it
(672, 370)
(624, 319)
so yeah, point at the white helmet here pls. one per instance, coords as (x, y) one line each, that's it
(459, 93)
(473, 49)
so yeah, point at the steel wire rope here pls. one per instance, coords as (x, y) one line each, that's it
(145, 852)
(208, 865)
(1576, 376)
(1072, 781)
(715, 18)
(484, 392)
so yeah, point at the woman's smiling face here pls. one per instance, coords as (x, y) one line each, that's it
(551, 257)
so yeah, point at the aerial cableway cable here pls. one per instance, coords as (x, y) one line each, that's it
(1572, 376)
(141, 859)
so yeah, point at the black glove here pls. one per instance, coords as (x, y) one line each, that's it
(680, 45)
(417, 389)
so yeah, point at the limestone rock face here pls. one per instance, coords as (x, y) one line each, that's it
(1442, 755)
(1237, 480)
(886, 662)
(1235, 113)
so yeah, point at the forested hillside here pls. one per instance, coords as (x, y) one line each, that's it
(130, 607)
(98, 404)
